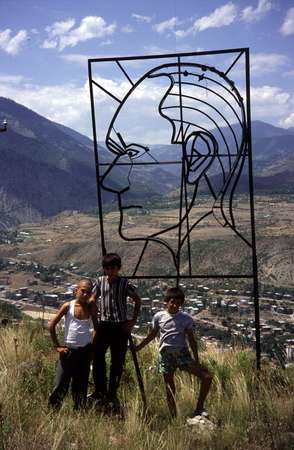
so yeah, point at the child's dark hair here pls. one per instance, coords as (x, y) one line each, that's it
(174, 292)
(111, 260)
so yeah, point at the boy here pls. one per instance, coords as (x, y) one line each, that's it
(110, 293)
(75, 355)
(174, 327)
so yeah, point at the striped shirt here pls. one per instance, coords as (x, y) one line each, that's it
(112, 298)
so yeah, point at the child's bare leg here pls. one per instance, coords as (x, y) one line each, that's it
(205, 378)
(170, 393)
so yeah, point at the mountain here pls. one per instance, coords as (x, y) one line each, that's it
(44, 168)
(47, 168)
(40, 139)
(273, 157)
(265, 130)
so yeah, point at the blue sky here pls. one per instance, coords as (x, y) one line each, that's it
(45, 44)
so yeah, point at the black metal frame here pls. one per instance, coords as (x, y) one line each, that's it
(178, 70)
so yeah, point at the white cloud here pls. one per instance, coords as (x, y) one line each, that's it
(167, 25)
(155, 50)
(62, 34)
(60, 28)
(272, 93)
(49, 43)
(105, 43)
(288, 122)
(262, 63)
(127, 29)
(249, 14)
(12, 45)
(76, 58)
(288, 25)
(289, 73)
(139, 18)
(11, 79)
(68, 104)
(220, 17)
(270, 102)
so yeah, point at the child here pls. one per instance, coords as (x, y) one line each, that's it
(174, 327)
(75, 355)
(110, 293)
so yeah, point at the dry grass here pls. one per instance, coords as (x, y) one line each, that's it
(250, 412)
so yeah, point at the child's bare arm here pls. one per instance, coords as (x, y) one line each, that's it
(147, 339)
(52, 328)
(93, 313)
(193, 345)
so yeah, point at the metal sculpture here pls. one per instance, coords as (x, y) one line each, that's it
(207, 125)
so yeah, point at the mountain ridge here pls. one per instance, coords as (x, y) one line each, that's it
(47, 168)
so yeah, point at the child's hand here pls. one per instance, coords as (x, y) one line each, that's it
(62, 350)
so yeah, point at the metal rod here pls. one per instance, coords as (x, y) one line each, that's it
(174, 277)
(99, 196)
(251, 191)
(232, 65)
(105, 90)
(169, 55)
(125, 73)
(183, 172)
(138, 372)
(150, 163)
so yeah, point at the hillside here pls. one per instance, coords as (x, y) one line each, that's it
(47, 168)
(248, 411)
(44, 169)
(75, 238)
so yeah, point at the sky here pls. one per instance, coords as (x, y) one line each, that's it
(45, 45)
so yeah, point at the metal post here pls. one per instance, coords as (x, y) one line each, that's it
(99, 196)
(251, 191)
(138, 372)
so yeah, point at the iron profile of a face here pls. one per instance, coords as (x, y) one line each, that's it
(171, 147)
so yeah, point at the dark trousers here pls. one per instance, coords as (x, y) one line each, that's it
(109, 335)
(73, 367)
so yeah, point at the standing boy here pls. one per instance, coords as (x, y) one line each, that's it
(174, 326)
(75, 355)
(111, 292)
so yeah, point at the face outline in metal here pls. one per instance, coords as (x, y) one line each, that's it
(200, 146)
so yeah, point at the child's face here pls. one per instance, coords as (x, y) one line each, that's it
(173, 305)
(111, 271)
(84, 291)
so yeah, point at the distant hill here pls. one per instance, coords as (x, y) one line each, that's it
(273, 158)
(44, 168)
(47, 168)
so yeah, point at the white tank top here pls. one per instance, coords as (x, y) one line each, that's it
(76, 332)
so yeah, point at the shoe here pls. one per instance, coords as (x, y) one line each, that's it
(96, 398)
(200, 413)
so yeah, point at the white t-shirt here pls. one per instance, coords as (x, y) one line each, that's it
(173, 329)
